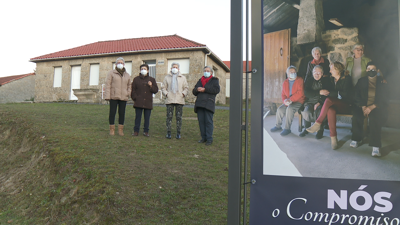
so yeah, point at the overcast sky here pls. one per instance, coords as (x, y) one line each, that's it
(32, 28)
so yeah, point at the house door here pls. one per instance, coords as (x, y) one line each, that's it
(276, 61)
(75, 80)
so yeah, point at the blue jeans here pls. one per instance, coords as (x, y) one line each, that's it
(205, 118)
(138, 119)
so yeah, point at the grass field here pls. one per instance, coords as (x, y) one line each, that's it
(58, 165)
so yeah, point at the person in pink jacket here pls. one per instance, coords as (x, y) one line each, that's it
(292, 98)
(118, 89)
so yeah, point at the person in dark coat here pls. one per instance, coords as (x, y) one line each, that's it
(317, 60)
(316, 89)
(206, 90)
(338, 101)
(143, 88)
(371, 101)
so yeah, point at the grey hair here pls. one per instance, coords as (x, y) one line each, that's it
(290, 67)
(120, 58)
(315, 49)
(357, 45)
(318, 67)
(175, 63)
(209, 67)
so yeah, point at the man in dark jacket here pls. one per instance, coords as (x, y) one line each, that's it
(370, 100)
(206, 89)
(143, 88)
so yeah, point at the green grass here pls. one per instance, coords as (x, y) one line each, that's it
(58, 165)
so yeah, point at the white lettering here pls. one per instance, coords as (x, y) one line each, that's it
(379, 199)
(288, 208)
(333, 198)
(275, 213)
(360, 193)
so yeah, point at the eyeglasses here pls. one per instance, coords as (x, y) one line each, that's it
(359, 49)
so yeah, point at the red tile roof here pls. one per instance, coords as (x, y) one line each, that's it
(125, 45)
(5, 80)
(228, 64)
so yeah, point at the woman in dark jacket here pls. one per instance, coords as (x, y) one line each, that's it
(370, 100)
(338, 101)
(316, 89)
(206, 89)
(143, 88)
(316, 52)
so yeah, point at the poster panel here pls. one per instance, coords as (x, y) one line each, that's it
(304, 178)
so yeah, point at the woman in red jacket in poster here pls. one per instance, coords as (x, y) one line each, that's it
(292, 97)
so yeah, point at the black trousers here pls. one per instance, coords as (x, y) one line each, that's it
(113, 110)
(205, 118)
(375, 126)
(138, 119)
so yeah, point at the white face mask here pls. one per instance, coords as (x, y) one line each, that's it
(143, 72)
(174, 70)
(292, 76)
(120, 66)
(207, 74)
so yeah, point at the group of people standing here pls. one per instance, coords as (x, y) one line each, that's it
(357, 88)
(119, 88)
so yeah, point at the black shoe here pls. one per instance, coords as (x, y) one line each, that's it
(202, 141)
(168, 135)
(320, 134)
(178, 136)
(304, 133)
(208, 142)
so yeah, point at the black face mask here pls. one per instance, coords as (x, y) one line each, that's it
(371, 73)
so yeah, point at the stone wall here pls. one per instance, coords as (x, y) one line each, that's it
(339, 43)
(18, 90)
(45, 92)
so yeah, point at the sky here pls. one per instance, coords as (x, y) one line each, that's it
(34, 28)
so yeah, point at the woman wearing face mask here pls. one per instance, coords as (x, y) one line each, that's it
(175, 88)
(206, 90)
(316, 89)
(338, 101)
(118, 88)
(370, 100)
(292, 99)
(143, 88)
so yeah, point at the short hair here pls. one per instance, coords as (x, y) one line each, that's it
(338, 66)
(175, 63)
(357, 45)
(212, 71)
(120, 58)
(291, 67)
(315, 49)
(144, 65)
(318, 67)
(371, 63)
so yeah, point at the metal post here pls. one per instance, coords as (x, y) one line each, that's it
(246, 135)
(235, 113)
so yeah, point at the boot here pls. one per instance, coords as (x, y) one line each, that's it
(314, 128)
(112, 129)
(334, 143)
(121, 130)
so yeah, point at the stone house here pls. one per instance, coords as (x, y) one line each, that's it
(228, 79)
(80, 73)
(17, 88)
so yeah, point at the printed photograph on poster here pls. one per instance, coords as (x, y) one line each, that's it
(331, 95)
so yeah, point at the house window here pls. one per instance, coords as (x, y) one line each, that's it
(152, 67)
(128, 67)
(94, 74)
(57, 76)
(183, 65)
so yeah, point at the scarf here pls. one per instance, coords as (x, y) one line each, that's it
(205, 80)
(174, 83)
(321, 60)
(120, 71)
